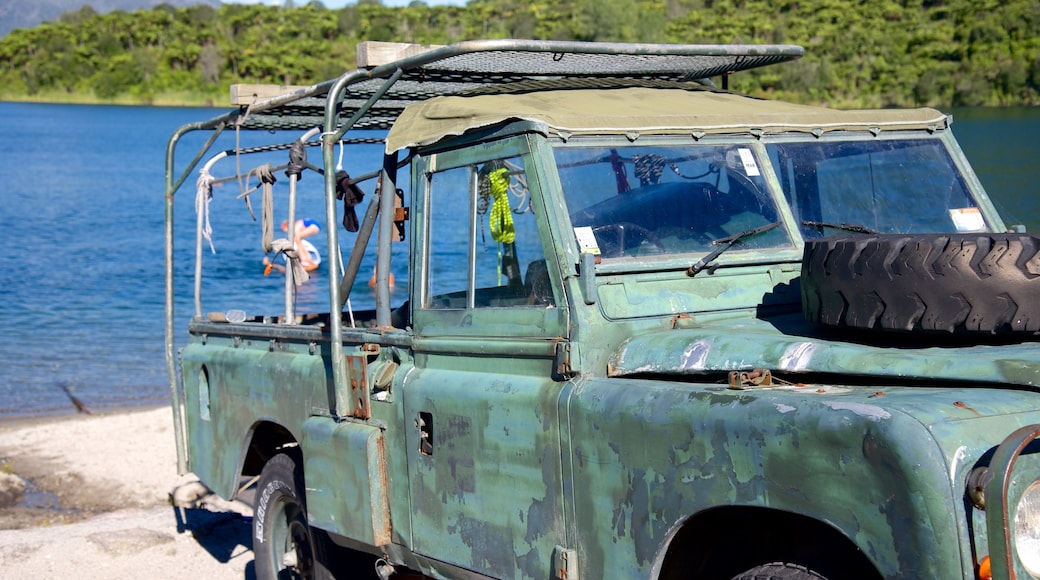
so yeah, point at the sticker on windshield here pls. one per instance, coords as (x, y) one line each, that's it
(586, 240)
(968, 219)
(750, 167)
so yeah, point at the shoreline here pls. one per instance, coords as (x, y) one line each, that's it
(161, 101)
(114, 503)
(8, 422)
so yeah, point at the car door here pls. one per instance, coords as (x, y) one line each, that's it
(484, 460)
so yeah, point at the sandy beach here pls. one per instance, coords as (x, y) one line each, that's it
(98, 503)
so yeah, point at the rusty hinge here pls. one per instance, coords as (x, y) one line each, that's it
(565, 360)
(357, 402)
(741, 380)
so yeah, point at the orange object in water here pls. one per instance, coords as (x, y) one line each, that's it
(372, 280)
(267, 269)
(985, 573)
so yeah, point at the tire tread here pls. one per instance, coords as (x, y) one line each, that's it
(949, 283)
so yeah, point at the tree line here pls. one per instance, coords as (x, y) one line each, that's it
(859, 53)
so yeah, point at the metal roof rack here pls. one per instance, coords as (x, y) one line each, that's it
(420, 72)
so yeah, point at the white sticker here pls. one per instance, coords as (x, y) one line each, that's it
(586, 240)
(750, 167)
(968, 219)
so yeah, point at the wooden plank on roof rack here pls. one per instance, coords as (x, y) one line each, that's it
(245, 94)
(374, 53)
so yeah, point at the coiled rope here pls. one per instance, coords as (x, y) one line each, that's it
(501, 217)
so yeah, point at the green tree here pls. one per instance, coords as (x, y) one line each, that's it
(859, 53)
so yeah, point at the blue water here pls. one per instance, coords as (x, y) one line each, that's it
(1003, 148)
(81, 296)
(81, 278)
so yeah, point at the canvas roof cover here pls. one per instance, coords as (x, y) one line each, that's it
(641, 110)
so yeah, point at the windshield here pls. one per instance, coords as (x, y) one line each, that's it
(638, 201)
(879, 186)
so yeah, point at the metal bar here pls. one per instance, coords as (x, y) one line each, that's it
(367, 106)
(198, 156)
(290, 282)
(171, 359)
(198, 260)
(384, 239)
(290, 316)
(998, 512)
(171, 187)
(471, 261)
(576, 47)
(340, 375)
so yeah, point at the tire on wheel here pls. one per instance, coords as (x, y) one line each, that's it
(284, 546)
(944, 283)
(779, 571)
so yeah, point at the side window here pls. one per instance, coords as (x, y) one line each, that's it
(484, 250)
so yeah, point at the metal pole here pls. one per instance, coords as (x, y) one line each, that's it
(387, 193)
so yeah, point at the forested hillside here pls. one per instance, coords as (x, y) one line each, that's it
(875, 53)
(28, 13)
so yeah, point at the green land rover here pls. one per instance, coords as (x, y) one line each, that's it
(626, 324)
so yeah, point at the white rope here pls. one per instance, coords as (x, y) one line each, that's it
(338, 273)
(203, 195)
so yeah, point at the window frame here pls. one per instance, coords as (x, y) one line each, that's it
(532, 321)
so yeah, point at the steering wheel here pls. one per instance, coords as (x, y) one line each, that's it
(753, 192)
(614, 239)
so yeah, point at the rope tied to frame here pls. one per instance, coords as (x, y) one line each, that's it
(297, 160)
(267, 180)
(285, 246)
(203, 195)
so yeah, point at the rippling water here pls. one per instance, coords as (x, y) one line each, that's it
(81, 277)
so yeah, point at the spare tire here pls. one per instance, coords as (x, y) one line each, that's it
(952, 283)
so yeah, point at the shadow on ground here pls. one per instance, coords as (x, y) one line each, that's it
(225, 535)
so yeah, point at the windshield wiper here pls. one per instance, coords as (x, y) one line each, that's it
(854, 228)
(724, 244)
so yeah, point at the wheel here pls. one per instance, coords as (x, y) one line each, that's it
(779, 571)
(283, 544)
(946, 283)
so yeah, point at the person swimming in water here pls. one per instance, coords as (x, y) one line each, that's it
(310, 258)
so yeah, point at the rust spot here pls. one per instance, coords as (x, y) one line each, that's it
(961, 405)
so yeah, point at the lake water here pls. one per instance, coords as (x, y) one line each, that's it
(81, 280)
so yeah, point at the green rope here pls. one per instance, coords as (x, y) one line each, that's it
(501, 217)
